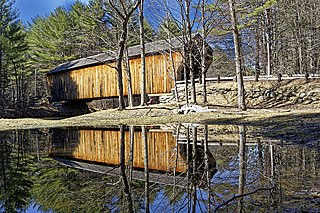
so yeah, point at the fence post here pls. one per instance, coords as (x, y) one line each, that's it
(279, 77)
(218, 78)
(306, 76)
(256, 76)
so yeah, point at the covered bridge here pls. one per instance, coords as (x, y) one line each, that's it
(95, 77)
(94, 148)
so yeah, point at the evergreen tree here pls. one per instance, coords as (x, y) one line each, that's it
(12, 54)
(91, 28)
(48, 40)
(134, 37)
(170, 27)
(66, 35)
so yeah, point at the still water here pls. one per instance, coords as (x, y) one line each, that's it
(167, 168)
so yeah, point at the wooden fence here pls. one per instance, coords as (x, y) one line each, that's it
(279, 77)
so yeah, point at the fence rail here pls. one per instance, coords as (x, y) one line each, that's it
(261, 78)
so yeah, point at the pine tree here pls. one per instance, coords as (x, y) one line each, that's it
(49, 41)
(168, 25)
(12, 54)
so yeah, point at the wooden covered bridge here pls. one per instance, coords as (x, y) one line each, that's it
(99, 150)
(103, 146)
(95, 77)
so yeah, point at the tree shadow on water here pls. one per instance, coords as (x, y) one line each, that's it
(297, 128)
(303, 129)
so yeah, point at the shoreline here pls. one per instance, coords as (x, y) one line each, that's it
(151, 115)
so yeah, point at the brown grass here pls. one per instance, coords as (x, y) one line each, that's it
(159, 115)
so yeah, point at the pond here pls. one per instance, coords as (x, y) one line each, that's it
(161, 168)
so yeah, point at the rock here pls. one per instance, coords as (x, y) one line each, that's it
(186, 109)
(279, 97)
(301, 95)
(307, 102)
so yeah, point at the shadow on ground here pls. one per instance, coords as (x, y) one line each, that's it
(301, 129)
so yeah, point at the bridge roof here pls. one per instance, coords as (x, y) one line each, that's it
(156, 47)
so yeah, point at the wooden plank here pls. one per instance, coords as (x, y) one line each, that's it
(101, 80)
(103, 146)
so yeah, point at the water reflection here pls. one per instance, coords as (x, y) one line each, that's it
(176, 168)
(135, 148)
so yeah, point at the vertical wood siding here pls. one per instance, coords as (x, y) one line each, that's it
(100, 81)
(103, 146)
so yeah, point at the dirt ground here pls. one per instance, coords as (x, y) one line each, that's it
(160, 114)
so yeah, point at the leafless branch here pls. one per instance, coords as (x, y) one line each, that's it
(240, 196)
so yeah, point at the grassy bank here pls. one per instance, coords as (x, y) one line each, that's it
(163, 115)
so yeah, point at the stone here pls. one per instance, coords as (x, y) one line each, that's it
(301, 95)
(307, 102)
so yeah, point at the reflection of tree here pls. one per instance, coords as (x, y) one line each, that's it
(14, 179)
(125, 183)
(130, 163)
(242, 164)
(146, 170)
(63, 189)
(196, 164)
(242, 172)
(201, 165)
(257, 168)
(207, 165)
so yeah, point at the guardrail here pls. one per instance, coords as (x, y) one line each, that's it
(261, 78)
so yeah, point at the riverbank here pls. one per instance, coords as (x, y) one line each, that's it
(166, 114)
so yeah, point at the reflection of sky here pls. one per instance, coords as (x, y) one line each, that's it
(230, 174)
(34, 208)
(162, 204)
(31, 8)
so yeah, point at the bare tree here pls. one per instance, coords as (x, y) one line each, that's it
(123, 10)
(190, 47)
(143, 56)
(146, 167)
(203, 52)
(125, 183)
(128, 73)
(237, 50)
(242, 163)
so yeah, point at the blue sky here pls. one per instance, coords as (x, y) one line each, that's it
(31, 8)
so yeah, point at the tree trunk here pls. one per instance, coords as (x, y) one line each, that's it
(258, 47)
(203, 53)
(174, 75)
(1, 75)
(184, 51)
(128, 73)
(189, 50)
(242, 163)
(206, 162)
(185, 73)
(1, 60)
(237, 50)
(131, 135)
(125, 183)
(173, 67)
(119, 59)
(194, 167)
(124, 13)
(143, 57)
(268, 42)
(146, 168)
(192, 78)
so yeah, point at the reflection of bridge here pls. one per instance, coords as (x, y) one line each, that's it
(217, 135)
(231, 143)
(98, 150)
(160, 178)
(103, 146)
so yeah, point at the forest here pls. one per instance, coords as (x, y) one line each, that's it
(249, 37)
